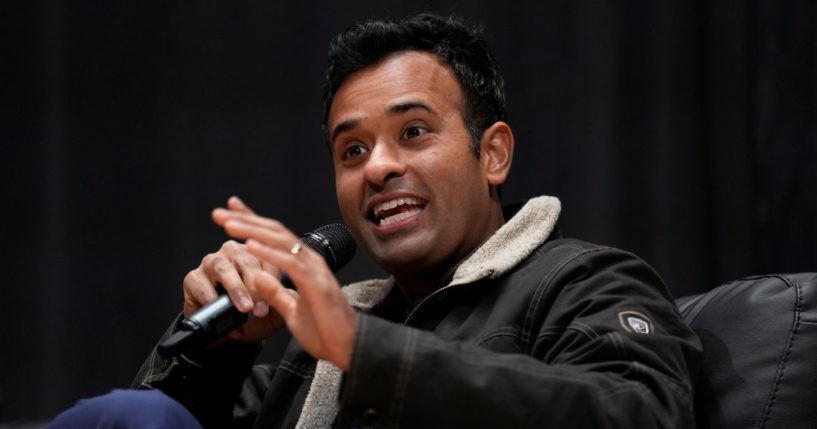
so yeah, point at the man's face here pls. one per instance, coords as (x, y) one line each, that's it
(408, 183)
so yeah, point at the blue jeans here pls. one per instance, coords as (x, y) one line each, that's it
(127, 409)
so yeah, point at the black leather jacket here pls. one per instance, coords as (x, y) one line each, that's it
(573, 335)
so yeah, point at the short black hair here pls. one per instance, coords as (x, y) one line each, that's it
(458, 44)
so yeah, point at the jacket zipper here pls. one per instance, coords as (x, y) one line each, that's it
(438, 292)
(426, 299)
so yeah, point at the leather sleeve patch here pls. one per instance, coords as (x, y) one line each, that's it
(634, 321)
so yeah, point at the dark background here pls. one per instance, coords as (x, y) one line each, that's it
(683, 131)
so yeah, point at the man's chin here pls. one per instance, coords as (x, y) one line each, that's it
(394, 259)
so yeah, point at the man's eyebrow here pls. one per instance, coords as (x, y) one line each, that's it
(343, 126)
(399, 108)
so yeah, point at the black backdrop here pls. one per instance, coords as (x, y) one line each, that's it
(683, 131)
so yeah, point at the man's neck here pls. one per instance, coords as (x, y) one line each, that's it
(418, 285)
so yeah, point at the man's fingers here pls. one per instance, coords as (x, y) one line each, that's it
(198, 291)
(272, 269)
(243, 230)
(320, 316)
(305, 267)
(222, 215)
(222, 271)
(247, 265)
(236, 204)
(261, 308)
(276, 295)
(277, 256)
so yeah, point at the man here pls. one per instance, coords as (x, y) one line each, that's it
(489, 318)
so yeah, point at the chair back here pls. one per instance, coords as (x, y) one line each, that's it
(759, 337)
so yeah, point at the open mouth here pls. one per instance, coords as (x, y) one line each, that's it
(389, 212)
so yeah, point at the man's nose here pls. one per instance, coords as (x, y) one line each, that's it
(384, 162)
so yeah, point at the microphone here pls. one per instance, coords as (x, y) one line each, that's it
(334, 242)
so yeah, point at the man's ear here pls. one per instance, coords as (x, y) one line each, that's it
(496, 152)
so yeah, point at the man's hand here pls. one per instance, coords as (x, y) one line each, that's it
(234, 268)
(319, 315)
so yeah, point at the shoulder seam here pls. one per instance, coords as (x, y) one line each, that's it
(526, 334)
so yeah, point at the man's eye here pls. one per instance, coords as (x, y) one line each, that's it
(414, 132)
(354, 151)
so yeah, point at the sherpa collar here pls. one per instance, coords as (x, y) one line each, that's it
(509, 246)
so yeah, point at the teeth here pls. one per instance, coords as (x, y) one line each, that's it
(399, 216)
(388, 205)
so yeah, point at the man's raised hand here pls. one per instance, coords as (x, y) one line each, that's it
(233, 268)
(319, 316)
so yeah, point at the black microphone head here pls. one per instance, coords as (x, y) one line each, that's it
(334, 242)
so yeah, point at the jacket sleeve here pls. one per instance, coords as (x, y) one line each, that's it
(577, 364)
(219, 386)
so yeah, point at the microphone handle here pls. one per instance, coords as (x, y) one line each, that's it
(212, 321)
(217, 318)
